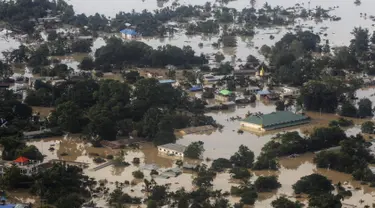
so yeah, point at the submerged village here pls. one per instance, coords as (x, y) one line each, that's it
(188, 104)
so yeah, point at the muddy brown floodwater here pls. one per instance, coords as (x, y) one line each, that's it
(217, 144)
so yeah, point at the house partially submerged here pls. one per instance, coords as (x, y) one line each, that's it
(173, 172)
(275, 120)
(289, 92)
(172, 149)
(128, 33)
(225, 96)
(36, 134)
(27, 166)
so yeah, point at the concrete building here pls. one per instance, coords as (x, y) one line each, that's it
(128, 33)
(27, 166)
(289, 92)
(36, 134)
(211, 79)
(172, 149)
(225, 96)
(271, 121)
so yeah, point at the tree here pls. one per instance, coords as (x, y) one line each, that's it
(313, 184)
(61, 180)
(244, 157)
(132, 76)
(326, 200)
(220, 164)
(283, 202)
(365, 108)
(87, 64)
(219, 57)
(194, 150)
(5, 70)
(266, 161)
(204, 177)
(229, 40)
(138, 174)
(31, 152)
(240, 173)
(70, 201)
(68, 116)
(117, 197)
(266, 183)
(280, 105)
(100, 124)
(348, 110)
(81, 46)
(368, 127)
(320, 96)
(13, 178)
(152, 204)
(373, 38)
(360, 43)
(164, 137)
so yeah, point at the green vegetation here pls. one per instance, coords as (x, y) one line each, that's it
(240, 173)
(60, 184)
(194, 150)
(368, 127)
(266, 183)
(117, 197)
(341, 122)
(246, 191)
(313, 184)
(283, 202)
(138, 174)
(244, 157)
(353, 158)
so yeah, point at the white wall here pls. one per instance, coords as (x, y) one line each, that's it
(168, 151)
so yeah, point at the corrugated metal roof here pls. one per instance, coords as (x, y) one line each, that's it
(128, 32)
(225, 92)
(167, 81)
(173, 146)
(277, 119)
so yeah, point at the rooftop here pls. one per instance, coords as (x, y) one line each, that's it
(173, 146)
(264, 92)
(277, 119)
(225, 92)
(128, 32)
(167, 81)
(34, 133)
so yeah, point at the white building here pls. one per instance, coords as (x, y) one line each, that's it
(289, 92)
(27, 166)
(172, 149)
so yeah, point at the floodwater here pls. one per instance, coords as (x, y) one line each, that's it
(217, 144)
(339, 33)
(225, 142)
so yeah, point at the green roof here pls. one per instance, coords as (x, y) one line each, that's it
(225, 92)
(279, 119)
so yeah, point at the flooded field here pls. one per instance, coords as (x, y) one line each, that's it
(218, 144)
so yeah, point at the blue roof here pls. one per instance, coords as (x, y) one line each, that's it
(166, 81)
(196, 88)
(263, 92)
(8, 206)
(128, 32)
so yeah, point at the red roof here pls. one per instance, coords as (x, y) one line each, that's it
(21, 160)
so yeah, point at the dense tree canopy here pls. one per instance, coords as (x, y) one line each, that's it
(313, 184)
